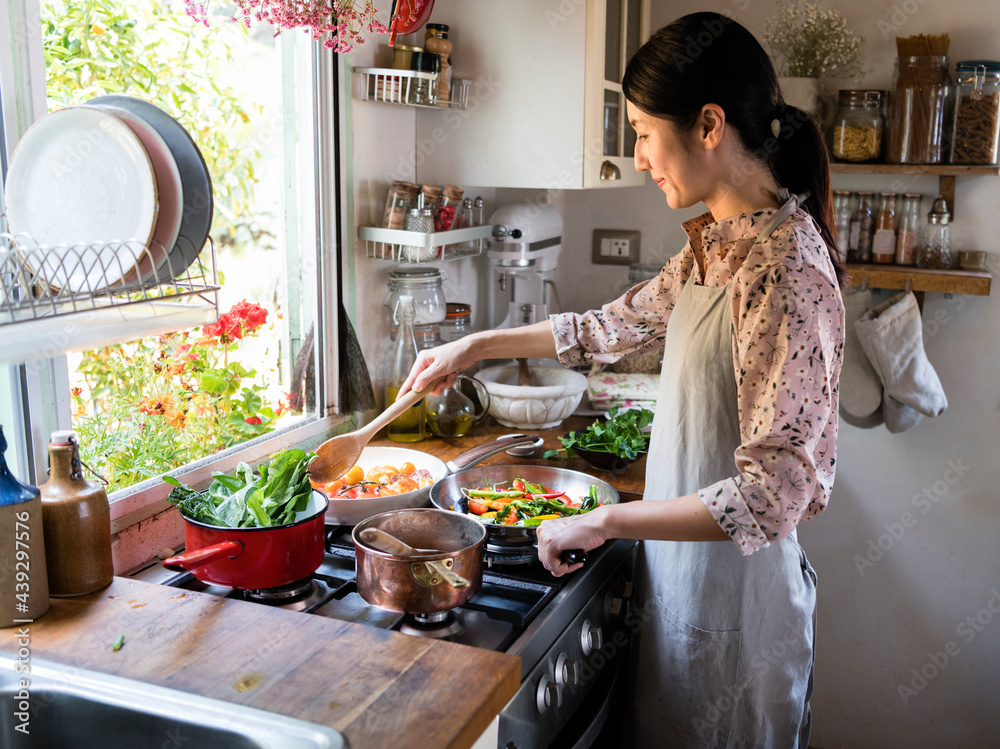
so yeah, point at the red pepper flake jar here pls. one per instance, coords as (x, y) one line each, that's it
(451, 199)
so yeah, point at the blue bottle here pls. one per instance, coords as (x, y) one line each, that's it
(24, 588)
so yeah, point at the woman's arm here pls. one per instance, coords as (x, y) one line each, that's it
(528, 341)
(682, 519)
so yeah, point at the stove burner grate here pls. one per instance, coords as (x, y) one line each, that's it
(437, 625)
(282, 594)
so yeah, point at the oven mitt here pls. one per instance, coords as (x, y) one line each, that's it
(860, 387)
(892, 336)
(864, 422)
(899, 418)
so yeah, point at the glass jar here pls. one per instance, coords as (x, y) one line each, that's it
(935, 245)
(447, 210)
(857, 128)
(390, 88)
(453, 413)
(859, 243)
(884, 237)
(921, 103)
(842, 221)
(397, 205)
(976, 130)
(425, 286)
(418, 220)
(908, 229)
(457, 322)
(423, 90)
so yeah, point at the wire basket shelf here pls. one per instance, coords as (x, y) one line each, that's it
(392, 86)
(422, 247)
(64, 298)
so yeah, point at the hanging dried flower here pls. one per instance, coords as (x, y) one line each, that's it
(339, 23)
(809, 42)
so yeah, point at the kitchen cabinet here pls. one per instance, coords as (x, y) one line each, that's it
(919, 280)
(545, 109)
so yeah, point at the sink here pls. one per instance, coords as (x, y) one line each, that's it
(73, 708)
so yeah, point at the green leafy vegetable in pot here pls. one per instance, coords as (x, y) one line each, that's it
(248, 500)
(620, 435)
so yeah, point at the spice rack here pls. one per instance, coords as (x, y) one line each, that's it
(919, 280)
(393, 86)
(67, 298)
(420, 247)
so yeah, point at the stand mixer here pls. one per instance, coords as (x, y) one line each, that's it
(522, 256)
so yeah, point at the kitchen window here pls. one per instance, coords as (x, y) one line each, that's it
(263, 111)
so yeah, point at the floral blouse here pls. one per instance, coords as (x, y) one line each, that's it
(788, 341)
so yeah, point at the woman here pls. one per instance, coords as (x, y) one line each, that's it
(743, 445)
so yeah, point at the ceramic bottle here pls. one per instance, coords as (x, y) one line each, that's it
(77, 522)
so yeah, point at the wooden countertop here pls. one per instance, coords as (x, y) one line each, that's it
(380, 689)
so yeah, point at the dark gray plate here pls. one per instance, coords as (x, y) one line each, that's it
(196, 182)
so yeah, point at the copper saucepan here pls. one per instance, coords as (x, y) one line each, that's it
(406, 583)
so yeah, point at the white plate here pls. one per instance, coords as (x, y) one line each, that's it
(80, 176)
(170, 193)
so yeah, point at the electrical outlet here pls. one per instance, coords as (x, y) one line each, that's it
(616, 247)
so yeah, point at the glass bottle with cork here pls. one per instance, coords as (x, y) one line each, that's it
(408, 426)
(908, 230)
(884, 238)
(77, 521)
(24, 596)
(859, 247)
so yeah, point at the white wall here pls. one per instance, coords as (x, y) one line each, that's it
(879, 622)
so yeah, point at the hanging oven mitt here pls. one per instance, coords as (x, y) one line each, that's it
(864, 422)
(892, 336)
(860, 386)
(899, 418)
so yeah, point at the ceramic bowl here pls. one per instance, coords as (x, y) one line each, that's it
(972, 260)
(554, 394)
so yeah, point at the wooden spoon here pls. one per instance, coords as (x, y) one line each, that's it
(379, 539)
(335, 456)
(523, 375)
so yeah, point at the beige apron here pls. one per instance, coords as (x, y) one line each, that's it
(725, 643)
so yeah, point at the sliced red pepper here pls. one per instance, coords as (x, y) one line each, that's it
(551, 495)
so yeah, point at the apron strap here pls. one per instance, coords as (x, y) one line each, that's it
(790, 202)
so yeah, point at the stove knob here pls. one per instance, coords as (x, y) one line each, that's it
(591, 637)
(565, 670)
(617, 603)
(549, 695)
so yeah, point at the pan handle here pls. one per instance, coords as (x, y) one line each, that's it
(190, 560)
(476, 454)
(573, 556)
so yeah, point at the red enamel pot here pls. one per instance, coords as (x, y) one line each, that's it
(254, 558)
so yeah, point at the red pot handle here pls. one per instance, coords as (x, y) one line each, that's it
(190, 560)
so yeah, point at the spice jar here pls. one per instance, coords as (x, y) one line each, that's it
(920, 108)
(908, 229)
(392, 86)
(423, 89)
(842, 221)
(425, 287)
(451, 199)
(401, 197)
(935, 246)
(976, 131)
(418, 220)
(859, 244)
(857, 129)
(884, 238)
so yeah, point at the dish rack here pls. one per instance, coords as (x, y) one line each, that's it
(58, 299)
(422, 247)
(393, 86)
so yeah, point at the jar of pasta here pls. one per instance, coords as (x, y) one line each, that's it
(857, 128)
(976, 134)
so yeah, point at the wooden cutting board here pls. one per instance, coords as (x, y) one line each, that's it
(380, 689)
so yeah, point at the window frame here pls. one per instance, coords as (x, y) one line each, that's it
(41, 389)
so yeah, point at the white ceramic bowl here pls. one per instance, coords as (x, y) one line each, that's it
(554, 395)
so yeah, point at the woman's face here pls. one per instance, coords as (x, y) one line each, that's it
(670, 157)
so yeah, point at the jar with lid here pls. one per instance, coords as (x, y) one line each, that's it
(418, 220)
(884, 238)
(857, 128)
(447, 210)
(920, 127)
(392, 86)
(976, 131)
(425, 287)
(401, 197)
(859, 243)
(423, 89)
(935, 245)
(842, 221)
(457, 322)
(908, 229)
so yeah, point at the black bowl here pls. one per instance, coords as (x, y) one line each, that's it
(606, 461)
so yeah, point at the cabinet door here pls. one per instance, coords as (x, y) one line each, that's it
(615, 30)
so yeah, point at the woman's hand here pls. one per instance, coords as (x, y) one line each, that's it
(439, 363)
(576, 532)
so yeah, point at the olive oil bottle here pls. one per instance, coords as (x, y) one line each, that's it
(408, 426)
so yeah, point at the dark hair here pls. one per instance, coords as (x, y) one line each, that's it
(705, 58)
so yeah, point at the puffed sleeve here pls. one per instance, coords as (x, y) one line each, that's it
(634, 322)
(788, 327)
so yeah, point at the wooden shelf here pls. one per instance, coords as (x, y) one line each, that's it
(935, 170)
(921, 279)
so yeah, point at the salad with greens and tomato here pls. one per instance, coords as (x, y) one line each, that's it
(525, 504)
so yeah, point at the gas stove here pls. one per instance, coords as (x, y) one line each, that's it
(569, 632)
